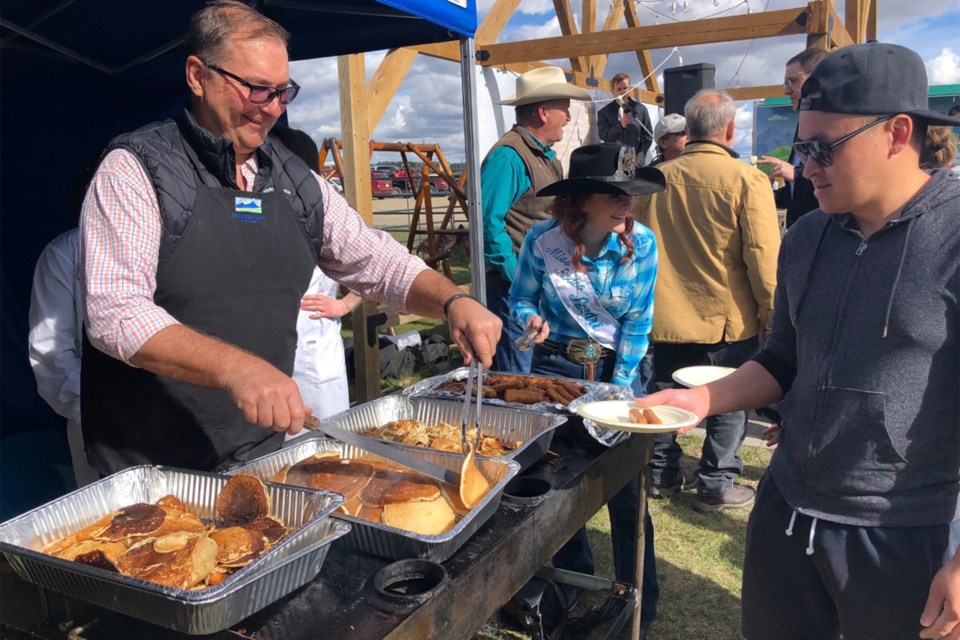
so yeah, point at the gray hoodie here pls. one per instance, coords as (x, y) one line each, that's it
(866, 343)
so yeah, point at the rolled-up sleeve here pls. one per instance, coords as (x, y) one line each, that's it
(368, 261)
(120, 231)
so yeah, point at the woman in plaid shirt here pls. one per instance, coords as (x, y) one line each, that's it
(586, 279)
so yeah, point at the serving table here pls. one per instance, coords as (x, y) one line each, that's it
(345, 602)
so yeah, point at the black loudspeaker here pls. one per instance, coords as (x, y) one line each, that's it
(680, 83)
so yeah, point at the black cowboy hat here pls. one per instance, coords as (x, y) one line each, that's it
(606, 168)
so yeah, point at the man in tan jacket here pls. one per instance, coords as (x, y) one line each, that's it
(717, 232)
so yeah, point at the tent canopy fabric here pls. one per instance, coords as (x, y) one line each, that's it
(76, 73)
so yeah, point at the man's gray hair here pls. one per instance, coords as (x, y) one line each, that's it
(212, 26)
(708, 113)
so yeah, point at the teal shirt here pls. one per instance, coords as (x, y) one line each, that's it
(503, 180)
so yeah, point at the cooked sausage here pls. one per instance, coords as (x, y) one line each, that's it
(637, 417)
(524, 396)
(557, 396)
(651, 417)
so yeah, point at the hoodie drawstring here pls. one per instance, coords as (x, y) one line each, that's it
(813, 530)
(793, 518)
(896, 279)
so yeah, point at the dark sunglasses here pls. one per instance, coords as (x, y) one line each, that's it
(258, 93)
(822, 152)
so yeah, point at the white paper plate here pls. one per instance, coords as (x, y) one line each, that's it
(697, 376)
(615, 414)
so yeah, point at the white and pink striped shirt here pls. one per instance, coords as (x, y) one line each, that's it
(120, 239)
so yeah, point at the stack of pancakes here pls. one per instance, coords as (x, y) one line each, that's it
(166, 544)
(381, 492)
(442, 436)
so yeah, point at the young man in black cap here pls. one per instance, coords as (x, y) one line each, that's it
(857, 521)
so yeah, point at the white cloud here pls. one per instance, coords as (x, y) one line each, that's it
(945, 68)
(548, 29)
(427, 106)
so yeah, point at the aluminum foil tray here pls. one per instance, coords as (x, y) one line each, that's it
(535, 429)
(290, 564)
(380, 539)
(593, 391)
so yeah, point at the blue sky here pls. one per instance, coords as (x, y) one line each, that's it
(428, 108)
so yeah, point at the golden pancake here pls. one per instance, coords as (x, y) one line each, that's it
(473, 484)
(425, 518)
(171, 504)
(179, 560)
(136, 521)
(237, 545)
(242, 499)
(347, 477)
(56, 547)
(270, 528)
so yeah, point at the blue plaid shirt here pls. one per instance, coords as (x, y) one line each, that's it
(624, 290)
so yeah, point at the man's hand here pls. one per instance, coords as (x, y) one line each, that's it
(780, 169)
(324, 306)
(266, 396)
(625, 120)
(695, 400)
(941, 615)
(474, 329)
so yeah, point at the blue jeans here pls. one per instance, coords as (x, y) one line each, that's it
(507, 358)
(720, 462)
(576, 555)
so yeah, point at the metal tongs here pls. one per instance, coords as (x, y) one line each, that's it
(476, 369)
(525, 342)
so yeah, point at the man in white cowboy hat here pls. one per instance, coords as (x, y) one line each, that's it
(520, 164)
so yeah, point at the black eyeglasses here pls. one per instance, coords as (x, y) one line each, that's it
(822, 152)
(258, 93)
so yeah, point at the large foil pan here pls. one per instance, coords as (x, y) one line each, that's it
(378, 538)
(290, 564)
(534, 429)
(592, 391)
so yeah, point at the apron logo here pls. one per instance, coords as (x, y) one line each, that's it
(248, 209)
(248, 205)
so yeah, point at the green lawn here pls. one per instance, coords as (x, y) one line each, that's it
(699, 562)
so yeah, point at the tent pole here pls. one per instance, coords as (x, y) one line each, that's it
(468, 76)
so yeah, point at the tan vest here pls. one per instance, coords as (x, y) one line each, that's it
(529, 209)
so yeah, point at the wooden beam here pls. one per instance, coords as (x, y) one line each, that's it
(756, 93)
(495, 20)
(872, 20)
(614, 16)
(643, 56)
(568, 28)
(356, 182)
(855, 18)
(839, 36)
(818, 34)
(767, 24)
(385, 82)
(588, 24)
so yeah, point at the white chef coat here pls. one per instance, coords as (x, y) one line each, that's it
(320, 368)
(55, 339)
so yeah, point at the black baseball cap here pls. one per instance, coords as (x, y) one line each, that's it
(871, 79)
(605, 169)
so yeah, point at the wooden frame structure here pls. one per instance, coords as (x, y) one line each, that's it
(363, 104)
(422, 188)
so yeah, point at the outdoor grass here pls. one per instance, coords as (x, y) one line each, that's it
(699, 562)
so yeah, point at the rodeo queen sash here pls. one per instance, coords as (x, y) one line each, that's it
(576, 291)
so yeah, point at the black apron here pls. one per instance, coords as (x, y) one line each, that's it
(237, 273)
